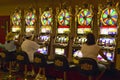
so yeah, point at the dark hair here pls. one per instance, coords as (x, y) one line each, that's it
(90, 39)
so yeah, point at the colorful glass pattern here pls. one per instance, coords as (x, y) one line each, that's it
(46, 18)
(64, 17)
(109, 16)
(16, 18)
(30, 18)
(84, 17)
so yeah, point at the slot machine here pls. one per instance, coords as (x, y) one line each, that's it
(63, 23)
(108, 27)
(46, 24)
(30, 20)
(83, 25)
(16, 23)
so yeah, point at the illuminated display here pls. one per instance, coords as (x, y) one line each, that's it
(83, 29)
(107, 41)
(45, 29)
(106, 31)
(59, 51)
(109, 16)
(44, 38)
(77, 53)
(43, 50)
(62, 39)
(84, 17)
(46, 18)
(64, 17)
(16, 18)
(110, 56)
(63, 30)
(16, 21)
(30, 18)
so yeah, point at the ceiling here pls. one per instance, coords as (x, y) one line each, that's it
(16, 2)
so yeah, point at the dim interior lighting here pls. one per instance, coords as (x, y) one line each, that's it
(16, 29)
(59, 51)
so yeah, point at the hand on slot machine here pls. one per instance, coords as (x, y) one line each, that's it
(109, 62)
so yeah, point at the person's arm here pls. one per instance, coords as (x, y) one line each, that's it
(103, 56)
(16, 43)
(2, 46)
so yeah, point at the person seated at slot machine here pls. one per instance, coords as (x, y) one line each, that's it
(91, 49)
(10, 48)
(29, 46)
(10, 45)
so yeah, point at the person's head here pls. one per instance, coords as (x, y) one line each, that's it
(90, 39)
(10, 36)
(28, 35)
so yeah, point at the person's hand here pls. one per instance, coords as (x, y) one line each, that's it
(109, 61)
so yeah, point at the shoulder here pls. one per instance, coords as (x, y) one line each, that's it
(97, 47)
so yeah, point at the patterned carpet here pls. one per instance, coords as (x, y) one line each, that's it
(71, 75)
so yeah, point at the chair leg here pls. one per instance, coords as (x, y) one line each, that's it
(33, 72)
(39, 72)
(38, 76)
(64, 75)
(43, 71)
(10, 69)
(25, 72)
(90, 77)
(100, 75)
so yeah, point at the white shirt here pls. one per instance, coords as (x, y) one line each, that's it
(90, 51)
(30, 48)
(10, 46)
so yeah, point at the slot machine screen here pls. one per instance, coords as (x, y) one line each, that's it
(44, 38)
(77, 53)
(83, 30)
(112, 31)
(43, 50)
(110, 56)
(60, 51)
(63, 29)
(45, 29)
(106, 31)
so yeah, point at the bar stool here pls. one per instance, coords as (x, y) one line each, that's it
(61, 64)
(2, 58)
(88, 67)
(40, 62)
(8, 57)
(22, 58)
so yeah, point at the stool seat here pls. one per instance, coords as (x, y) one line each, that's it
(61, 64)
(89, 67)
(40, 62)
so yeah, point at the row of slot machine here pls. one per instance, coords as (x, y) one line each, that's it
(56, 33)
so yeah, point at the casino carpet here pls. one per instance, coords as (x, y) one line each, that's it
(19, 76)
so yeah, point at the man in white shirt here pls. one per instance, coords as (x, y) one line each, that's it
(29, 46)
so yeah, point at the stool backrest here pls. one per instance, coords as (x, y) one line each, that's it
(61, 63)
(88, 66)
(22, 57)
(39, 59)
